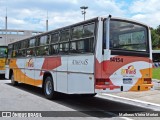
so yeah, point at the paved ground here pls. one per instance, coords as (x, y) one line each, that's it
(29, 98)
(147, 96)
(152, 96)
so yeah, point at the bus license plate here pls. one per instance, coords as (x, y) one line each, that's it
(127, 81)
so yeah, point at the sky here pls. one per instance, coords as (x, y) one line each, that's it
(32, 14)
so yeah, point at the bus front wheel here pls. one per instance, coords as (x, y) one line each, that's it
(14, 83)
(49, 88)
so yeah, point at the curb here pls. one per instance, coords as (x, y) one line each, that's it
(134, 102)
(156, 84)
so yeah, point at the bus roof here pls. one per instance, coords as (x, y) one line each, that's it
(130, 20)
(57, 29)
(86, 21)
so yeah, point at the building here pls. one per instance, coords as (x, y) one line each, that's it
(11, 35)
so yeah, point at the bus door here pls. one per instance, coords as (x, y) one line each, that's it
(80, 74)
(62, 75)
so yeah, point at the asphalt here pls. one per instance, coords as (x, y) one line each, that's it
(23, 98)
(147, 99)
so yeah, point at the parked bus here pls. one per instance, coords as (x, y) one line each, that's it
(3, 56)
(96, 55)
(156, 58)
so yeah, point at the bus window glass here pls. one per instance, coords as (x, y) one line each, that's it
(42, 51)
(23, 44)
(44, 40)
(64, 36)
(89, 30)
(54, 38)
(17, 46)
(77, 32)
(82, 46)
(128, 36)
(63, 48)
(3, 52)
(30, 52)
(20, 53)
(32, 42)
(54, 49)
(73, 47)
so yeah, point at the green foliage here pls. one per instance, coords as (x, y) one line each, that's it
(155, 36)
(158, 30)
(156, 73)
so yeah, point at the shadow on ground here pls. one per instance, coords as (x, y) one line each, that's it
(2, 77)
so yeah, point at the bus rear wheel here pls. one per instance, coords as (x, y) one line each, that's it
(14, 83)
(49, 88)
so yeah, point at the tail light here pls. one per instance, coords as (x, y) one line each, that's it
(147, 81)
(102, 81)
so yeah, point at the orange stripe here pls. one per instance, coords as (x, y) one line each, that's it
(146, 73)
(19, 75)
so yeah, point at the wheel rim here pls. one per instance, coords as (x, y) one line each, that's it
(48, 87)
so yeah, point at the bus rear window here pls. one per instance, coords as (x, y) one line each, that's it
(128, 36)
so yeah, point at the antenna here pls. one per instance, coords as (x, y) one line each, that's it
(47, 22)
(6, 41)
(6, 20)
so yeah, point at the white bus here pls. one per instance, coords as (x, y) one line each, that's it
(103, 54)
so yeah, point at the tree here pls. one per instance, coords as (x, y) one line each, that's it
(155, 36)
(158, 30)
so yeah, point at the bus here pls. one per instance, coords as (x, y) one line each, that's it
(3, 57)
(156, 58)
(103, 54)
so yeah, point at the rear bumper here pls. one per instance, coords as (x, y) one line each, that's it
(143, 87)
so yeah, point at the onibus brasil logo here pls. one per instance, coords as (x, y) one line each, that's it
(129, 71)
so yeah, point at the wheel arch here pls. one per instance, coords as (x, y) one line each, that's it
(46, 74)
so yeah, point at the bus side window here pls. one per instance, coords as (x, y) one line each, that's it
(64, 41)
(64, 47)
(82, 38)
(14, 53)
(30, 52)
(42, 51)
(54, 49)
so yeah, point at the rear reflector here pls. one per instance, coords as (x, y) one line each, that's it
(147, 81)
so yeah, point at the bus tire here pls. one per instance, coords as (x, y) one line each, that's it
(49, 88)
(14, 83)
